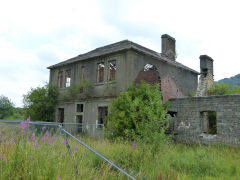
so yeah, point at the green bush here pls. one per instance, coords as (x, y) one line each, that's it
(223, 89)
(77, 88)
(6, 107)
(139, 114)
(39, 103)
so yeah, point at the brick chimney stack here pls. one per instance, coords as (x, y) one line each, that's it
(168, 47)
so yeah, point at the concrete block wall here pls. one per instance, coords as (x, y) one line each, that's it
(188, 120)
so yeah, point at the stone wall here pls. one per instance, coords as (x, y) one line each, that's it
(190, 114)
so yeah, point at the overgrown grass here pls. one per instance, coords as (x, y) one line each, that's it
(22, 158)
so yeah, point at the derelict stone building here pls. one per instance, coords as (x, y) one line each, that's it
(112, 69)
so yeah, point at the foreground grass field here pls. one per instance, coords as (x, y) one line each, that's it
(43, 155)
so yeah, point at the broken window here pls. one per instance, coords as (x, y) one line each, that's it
(149, 67)
(102, 113)
(79, 107)
(100, 74)
(209, 122)
(68, 78)
(111, 70)
(61, 115)
(79, 119)
(60, 79)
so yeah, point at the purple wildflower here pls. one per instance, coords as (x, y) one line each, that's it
(30, 158)
(0, 157)
(58, 178)
(28, 120)
(5, 160)
(64, 141)
(32, 137)
(23, 125)
(36, 143)
(75, 148)
(134, 144)
(44, 139)
(44, 127)
(49, 141)
(47, 133)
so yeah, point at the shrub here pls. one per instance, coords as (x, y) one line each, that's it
(139, 114)
(39, 103)
(223, 89)
(77, 88)
(6, 107)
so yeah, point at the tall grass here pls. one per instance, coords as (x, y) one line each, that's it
(22, 158)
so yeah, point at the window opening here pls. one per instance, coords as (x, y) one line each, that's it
(102, 113)
(204, 71)
(60, 79)
(149, 67)
(209, 122)
(79, 107)
(112, 70)
(79, 119)
(61, 115)
(100, 74)
(68, 78)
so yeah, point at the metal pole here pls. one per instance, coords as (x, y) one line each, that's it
(99, 155)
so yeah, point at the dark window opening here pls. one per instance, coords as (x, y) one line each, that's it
(100, 74)
(60, 79)
(102, 113)
(68, 78)
(79, 107)
(204, 71)
(209, 122)
(172, 113)
(79, 119)
(61, 115)
(112, 70)
(172, 121)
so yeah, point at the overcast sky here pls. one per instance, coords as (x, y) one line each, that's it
(35, 34)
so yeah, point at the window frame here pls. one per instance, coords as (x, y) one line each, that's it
(109, 70)
(98, 72)
(68, 78)
(60, 79)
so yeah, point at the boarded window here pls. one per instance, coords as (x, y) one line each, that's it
(61, 115)
(68, 78)
(111, 70)
(209, 122)
(102, 113)
(79, 107)
(60, 79)
(100, 74)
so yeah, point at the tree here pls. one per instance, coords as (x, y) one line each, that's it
(6, 107)
(223, 89)
(39, 103)
(139, 114)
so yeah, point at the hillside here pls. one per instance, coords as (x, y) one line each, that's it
(235, 80)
